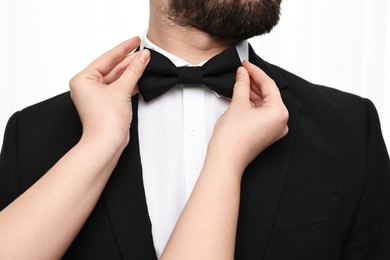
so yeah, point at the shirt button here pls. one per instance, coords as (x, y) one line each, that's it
(194, 131)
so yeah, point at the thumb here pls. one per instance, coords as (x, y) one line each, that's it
(134, 71)
(241, 90)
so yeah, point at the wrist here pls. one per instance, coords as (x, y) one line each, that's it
(110, 143)
(224, 165)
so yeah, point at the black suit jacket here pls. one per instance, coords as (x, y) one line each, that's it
(322, 192)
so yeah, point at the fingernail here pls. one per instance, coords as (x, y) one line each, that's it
(144, 55)
(240, 72)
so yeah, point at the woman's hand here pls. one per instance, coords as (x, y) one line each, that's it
(255, 119)
(102, 93)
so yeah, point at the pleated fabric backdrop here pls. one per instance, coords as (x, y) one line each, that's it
(344, 44)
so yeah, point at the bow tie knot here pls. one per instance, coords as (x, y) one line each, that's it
(218, 74)
(190, 75)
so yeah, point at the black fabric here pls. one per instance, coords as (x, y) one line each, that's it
(218, 74)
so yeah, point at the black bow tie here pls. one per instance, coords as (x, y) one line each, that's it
(218, 74)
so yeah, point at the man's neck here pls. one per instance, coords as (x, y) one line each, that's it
(190, 44)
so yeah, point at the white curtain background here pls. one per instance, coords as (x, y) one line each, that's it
(339, 43)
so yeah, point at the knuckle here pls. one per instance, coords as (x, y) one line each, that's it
(115, 74)
(285, 115)
(282, 121)
(136, 68)
(73, 82)
(285, 131)
(123, 49)
(271, 81)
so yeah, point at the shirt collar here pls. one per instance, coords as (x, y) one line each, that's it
(242, 50)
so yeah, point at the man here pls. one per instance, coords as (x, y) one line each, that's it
(319, 193)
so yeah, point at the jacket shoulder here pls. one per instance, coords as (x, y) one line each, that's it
(44, 132)
(307, 92)
(57, 105)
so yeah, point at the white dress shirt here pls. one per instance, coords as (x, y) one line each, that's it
(174, 131)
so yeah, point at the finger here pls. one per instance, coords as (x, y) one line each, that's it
(135, 90)
(241, 90)
(133, 72)
(263, 85)
(255, 99)
(106, 62)
(117, 71)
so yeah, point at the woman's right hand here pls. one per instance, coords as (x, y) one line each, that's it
(102, 93)
(255, 119)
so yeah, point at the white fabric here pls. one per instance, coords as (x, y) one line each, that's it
(174, 130)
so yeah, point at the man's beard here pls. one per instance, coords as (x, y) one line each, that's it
(227, 19)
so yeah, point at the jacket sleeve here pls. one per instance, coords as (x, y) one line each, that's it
(9, 174)
(370, 235)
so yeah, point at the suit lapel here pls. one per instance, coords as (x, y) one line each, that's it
(263, 181)
(124, 197)
(280, 81)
